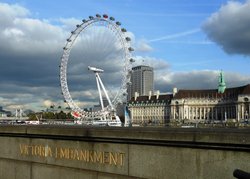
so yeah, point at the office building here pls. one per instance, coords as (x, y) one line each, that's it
(142, 81)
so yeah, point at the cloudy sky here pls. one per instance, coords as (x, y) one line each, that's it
(186, 41)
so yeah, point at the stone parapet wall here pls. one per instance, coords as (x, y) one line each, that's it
(61, 152)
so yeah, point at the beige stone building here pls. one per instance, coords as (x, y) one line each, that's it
(208, 105)
(147, 109)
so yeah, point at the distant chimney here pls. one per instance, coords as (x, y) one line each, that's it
(149, 95)
(174, 91)
(157, 94)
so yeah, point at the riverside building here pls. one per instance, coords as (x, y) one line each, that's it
(150, 109)
(210, 105)
(207, 105)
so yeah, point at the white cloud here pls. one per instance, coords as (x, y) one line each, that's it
(204, 79)
(229, 27)
(13, 10)
(9, 12)
(13, 32)
(68, 23)
(47, 103)
(157, 64)
(26, 35)
(143, 46)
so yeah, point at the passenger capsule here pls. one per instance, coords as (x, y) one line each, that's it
(91, 17)
(130, 49)
(77, 25)
(98, 15)
(112, 19)
(64, 48)
(84, 20)
(124, 30)
(105, 16)
(131, 60)
(118, 23)
(128, 39)
(68, 40)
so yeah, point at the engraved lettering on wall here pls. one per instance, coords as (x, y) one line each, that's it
(65, 153)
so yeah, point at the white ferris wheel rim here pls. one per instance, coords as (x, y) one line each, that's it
(127, 67)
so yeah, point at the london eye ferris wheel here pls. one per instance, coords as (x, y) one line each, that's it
(107, 32)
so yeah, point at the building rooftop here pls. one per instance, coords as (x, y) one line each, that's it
(141, 66)
(188, 93)
(213, 93)
(153, 99)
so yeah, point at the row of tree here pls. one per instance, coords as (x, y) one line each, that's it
(50, 115)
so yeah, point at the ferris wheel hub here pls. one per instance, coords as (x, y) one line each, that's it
(94, 69)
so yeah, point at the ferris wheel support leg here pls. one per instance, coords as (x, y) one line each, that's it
(99, 90)
(105, 92)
